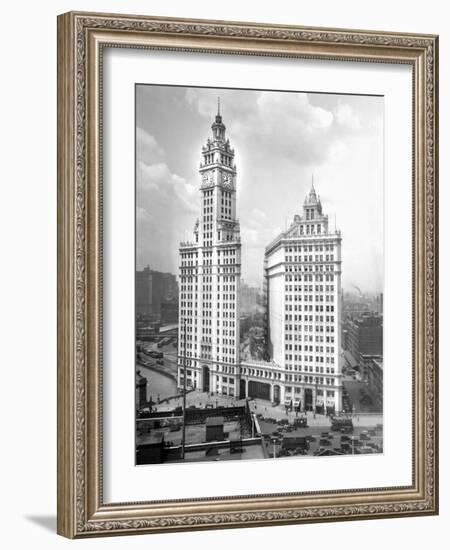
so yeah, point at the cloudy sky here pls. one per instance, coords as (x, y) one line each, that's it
(280, 140)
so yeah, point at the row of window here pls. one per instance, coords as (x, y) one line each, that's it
(318, 349)
(317, 258)
(209, 158)
(308, 328)
(275, 375)
(186, 296)
(310, 248)
(207, 322)
(296, 389)
(317, 308)
(310, 380)
(189, 292)
(303, 268)
(225, 159)
(309, 338)
(208, 262)
(311, 229)
(188, 255)
(206, 279)
(226, 369)
(309, 368)
(309, 288)
(309, 358)
(319, 318)
(298, 277)
(309, 297)
(205, 312)
(311, 213)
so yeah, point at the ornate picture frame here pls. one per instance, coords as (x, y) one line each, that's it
(82, 38)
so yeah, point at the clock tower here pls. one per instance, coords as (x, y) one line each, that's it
(218, 187)
(210, 274)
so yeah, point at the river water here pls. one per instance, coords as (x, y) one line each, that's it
(158, 384)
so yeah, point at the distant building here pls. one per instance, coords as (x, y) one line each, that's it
(380, 303)
(146, 327)
(169, 311)
(152, 289)
(365, 363)
(374, 374)
(250, 298)
(344, 336)
(365, 335)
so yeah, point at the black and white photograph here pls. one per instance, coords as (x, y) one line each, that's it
(259, 274)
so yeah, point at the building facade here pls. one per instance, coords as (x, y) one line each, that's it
(365, 335)
(375, 381)
(210, 271)
(152, 289)
(250, 298)
(303, 288)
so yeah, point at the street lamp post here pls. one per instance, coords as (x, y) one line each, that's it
(315, 396)
(183, 433)
(274, 441)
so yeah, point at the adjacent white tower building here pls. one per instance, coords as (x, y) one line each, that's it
(210, 271)
(303, 279)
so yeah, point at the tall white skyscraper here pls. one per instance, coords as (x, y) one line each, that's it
(210, 270)
(303, 287)
(303, 281)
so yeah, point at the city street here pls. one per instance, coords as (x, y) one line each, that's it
(266, 409)
(356, 389)
(317, 440)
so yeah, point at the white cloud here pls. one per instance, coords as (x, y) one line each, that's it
(280, 139)
(293, 110)
(345, 116)
(162, 197)
(285, 124)
(147, 148)
(142, 215)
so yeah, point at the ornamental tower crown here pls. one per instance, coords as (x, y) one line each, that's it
(217, 154)
(312, 207)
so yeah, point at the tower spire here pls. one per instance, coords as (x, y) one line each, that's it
(218, 126)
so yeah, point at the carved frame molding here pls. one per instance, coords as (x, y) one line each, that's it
(81, 37)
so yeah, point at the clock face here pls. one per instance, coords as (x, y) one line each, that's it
(208, 178)
(227, 179)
